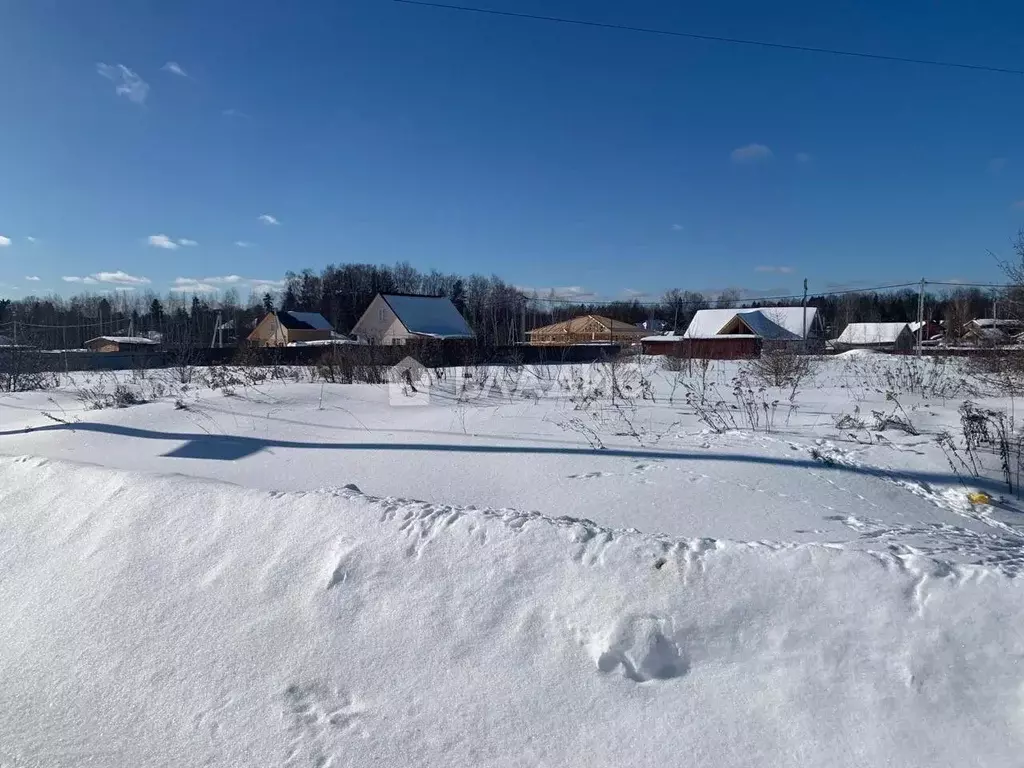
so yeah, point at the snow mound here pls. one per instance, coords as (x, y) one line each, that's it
(858, 353)
(161, 620)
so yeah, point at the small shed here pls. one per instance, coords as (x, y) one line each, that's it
(279, 329)
(888, 337)
(397, 318)
(120, 344)
(586, 329)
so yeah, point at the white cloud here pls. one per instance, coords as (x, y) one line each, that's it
(32, 278)
(266, 218)
(120, 277)
(677, 227)
(751, 153)
(1019, 205)
(243, 244)
(256, 283)
(631, 293)
(174, 68)
(214, 284)
(129, 84)
(803, 158)
(4, 241)
(234, 113)
(186, 242)
(30, 239)
(565, 292)
(783, 270)
(190, 285)
(162, 241)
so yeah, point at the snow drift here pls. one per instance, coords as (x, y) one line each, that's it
(155, 620)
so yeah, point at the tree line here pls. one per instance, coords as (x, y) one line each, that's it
(498, 311)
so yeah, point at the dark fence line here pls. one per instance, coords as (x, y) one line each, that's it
(431, 355)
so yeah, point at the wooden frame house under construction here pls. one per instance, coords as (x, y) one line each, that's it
(587, 329)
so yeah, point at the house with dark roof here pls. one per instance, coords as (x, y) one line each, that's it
(279, 329)
(396, 318)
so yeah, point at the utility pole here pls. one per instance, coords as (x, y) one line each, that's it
(920, 317)
(805, 315)
(675, 320)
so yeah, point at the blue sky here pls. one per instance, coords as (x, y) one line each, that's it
(548, 154)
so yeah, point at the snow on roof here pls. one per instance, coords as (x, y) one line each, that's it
(667, 336)
(323, 342)
(123, 340)
(777, 323)
(432, 316)
(871, 333)
(304, 321)
(988, 322)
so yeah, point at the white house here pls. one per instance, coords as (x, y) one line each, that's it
(394, 318)
(895, 337)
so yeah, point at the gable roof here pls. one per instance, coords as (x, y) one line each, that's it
(433, 316)
(776, 323)
(303, 321)
(584, 324)
(871, 333)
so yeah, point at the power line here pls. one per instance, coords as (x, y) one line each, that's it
(717, 38)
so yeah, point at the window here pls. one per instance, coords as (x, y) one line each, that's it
(381, 314)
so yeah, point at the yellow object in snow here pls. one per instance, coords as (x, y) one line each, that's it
(979, 497)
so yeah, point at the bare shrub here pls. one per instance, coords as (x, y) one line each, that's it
(351, 365)
(780, 366)
(26, 370)
(898, 419)
(990, 443)
(99, 397)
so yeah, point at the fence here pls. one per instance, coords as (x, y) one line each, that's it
(432, 355)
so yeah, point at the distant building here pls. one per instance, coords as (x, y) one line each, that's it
(279, 329)
(121, 344)
(887, 337)
(989, 332)
(587, 329)
(397, 318)
(726, 334)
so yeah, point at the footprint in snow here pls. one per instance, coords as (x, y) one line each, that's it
(590, 475)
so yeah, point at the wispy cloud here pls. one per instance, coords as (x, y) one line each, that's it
(266, 218)
(119, 277)
(631, 293)
(30, 239)
(243, 244)
(186, 242)
(677, 227)
(32, 278)
(162, 241)
(190, 285)
(996, 165)
(127, 83)
(803, 158)
(783, 270)
(174, 68)
(751, 153)
(565, 292)
(1019, 205)
(4, 241)
(234, 113)
(221, 282)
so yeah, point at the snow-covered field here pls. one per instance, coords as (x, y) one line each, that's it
(578, 565)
